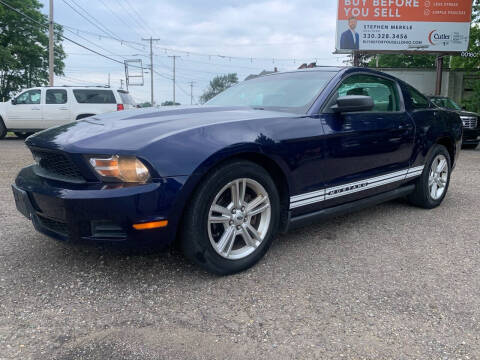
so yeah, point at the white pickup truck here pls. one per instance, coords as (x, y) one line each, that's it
(43, 107)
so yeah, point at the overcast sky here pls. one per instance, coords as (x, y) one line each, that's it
(257, 35)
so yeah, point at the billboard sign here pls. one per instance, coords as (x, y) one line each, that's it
(403, 25)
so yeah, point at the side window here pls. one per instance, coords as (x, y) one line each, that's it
(56, 96)
(418, 100)
(94, 96)
(383, 91)
(30, 97)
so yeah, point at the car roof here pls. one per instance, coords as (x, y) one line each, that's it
(76, 88)
(337, 69)
(315, 69)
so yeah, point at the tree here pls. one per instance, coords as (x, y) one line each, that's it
(24, 48)
(217, 85)
(169, 103)
(471, 64)
(403, 61)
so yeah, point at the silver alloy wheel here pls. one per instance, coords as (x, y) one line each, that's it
(438, 177)
(239, 218)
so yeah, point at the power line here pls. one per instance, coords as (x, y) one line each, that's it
(72, 79)
(229, 57)
(95, 23)
(91, 42)
(137, 18)
(60, 35)
(106, 6)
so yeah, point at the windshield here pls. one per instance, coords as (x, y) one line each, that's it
(445, 103)
(292, 92)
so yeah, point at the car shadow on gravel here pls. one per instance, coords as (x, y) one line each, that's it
(113, 258)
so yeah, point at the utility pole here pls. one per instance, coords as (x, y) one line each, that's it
(191, 92)
(151, 40)
(50, 45)
(174, 57)
(356, 58)
(438, 80)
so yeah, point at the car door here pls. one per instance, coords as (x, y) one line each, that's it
(56, 110)
(366, 152)
(25, 111)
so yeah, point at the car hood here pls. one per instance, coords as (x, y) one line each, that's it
(133, 129)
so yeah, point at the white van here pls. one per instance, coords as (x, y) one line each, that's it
(43, 107)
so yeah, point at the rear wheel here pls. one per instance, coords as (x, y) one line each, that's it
(432, 186)
(232, 218)
(3, 129)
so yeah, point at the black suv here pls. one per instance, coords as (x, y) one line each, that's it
(471, 122)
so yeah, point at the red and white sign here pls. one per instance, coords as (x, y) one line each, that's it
(400, 25)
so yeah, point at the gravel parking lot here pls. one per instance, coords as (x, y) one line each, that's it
(391, 281)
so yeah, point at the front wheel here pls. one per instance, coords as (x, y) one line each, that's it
(232, 218)
(432, 186)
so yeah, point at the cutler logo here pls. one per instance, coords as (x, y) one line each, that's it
(346, 188)
(434, 37)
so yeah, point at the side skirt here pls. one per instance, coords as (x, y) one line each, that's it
(311, 218)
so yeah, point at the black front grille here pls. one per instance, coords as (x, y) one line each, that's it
(53, 225)
(57, 166)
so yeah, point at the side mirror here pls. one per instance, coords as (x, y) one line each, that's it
(14, 101)
(352, 103)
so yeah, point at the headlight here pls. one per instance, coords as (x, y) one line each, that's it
(120, 168)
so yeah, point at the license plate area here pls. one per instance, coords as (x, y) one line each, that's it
(22, 202)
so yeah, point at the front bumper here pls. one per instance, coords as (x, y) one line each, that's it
(471, 136)
(97, 211)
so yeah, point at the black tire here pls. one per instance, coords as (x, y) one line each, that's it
(469, 146)
(422, 197)
(3, 129)
(195, 241)
(84, 116)
(22, 135)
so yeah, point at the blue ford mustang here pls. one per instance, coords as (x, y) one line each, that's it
(267, 155)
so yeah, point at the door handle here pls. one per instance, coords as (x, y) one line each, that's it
(63, 108)
(35, 108)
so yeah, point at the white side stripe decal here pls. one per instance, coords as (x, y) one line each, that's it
(347, 189)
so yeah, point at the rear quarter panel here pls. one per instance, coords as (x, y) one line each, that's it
(433, 125)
